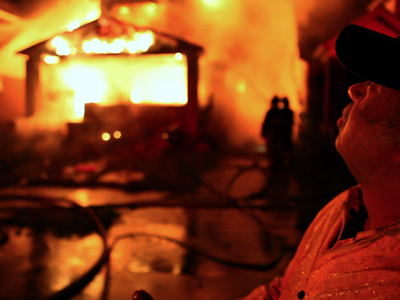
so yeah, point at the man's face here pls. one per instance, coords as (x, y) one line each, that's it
(368, 129)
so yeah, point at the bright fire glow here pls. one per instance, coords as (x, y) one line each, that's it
(61, 46)
(136, 97)
(137, 42)
(241, 87)
(168, 82)
(63, 51)
(124, 10)
(58, 41)
(117, 46)
(212, 3)
(133, 46)
(145, 40)
(51, 59)
(95, 46)
(157, 79)
(89, 84)
(141, 42)
(150, 8)
(93, 15)
(74, 25)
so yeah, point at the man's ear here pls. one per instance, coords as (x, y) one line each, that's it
(396, 154)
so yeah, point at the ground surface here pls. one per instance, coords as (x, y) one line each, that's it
(173, 244)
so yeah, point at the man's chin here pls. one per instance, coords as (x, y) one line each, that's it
(338, 144)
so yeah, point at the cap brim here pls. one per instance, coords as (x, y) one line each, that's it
(369, 54)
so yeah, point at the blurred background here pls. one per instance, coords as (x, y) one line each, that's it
(136, 151)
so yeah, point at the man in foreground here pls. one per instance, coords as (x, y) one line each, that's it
(352, 248)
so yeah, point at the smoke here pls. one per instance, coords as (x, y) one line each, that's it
(250, 55)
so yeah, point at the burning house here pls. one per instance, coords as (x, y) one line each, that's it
(107, 80)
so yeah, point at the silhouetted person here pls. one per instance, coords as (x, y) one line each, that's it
(287, 117)
(277, 131)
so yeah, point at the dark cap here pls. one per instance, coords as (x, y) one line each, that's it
(371, 55)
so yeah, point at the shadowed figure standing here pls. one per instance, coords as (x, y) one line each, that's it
(277, 131)
(287, 116)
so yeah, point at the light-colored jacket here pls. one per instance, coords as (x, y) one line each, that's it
(324, 267)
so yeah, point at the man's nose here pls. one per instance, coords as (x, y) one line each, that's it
(357, 91)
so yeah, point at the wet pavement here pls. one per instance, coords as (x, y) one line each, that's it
(238, 229)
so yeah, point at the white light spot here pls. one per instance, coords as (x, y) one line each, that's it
(105, 136)
(74, 25)
(178, 56)
(51, 59)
